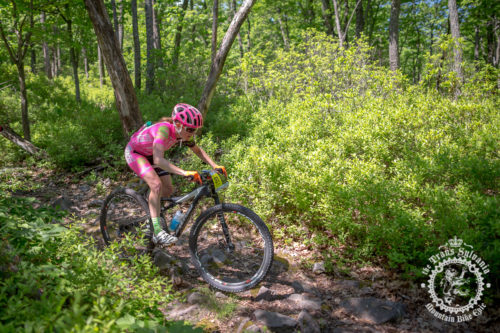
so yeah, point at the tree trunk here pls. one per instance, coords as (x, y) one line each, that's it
(455, 33)
(24, 101)
(178, 35)
(284, 30)
(25, 144)
(120, 25)
(158, 57)
(150, 68)
(100, 63)
(220, 58)
(249, 40)
(240, 40)
(45, 49)
(215, 16)
(394, 35)
(327, 16)
(17, 56)
(85, 62)
(340, 33)
(137, 46)
(126, 100)
(73, 58)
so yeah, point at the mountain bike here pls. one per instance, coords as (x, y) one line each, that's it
(229, 244)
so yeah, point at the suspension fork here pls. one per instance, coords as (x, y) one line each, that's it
(225, 229)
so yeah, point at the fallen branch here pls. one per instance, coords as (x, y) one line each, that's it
(26, 145)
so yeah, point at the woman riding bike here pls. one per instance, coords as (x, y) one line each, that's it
(145, 156)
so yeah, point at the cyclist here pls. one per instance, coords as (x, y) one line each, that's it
(145, 156)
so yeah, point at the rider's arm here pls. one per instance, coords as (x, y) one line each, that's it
(160, 161)
(203, 156)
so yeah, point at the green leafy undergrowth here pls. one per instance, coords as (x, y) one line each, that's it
(54, 278)
(344, 154)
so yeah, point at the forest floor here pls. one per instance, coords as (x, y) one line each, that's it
(292, 298)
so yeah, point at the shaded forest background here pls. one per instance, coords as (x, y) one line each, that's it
(366, 129)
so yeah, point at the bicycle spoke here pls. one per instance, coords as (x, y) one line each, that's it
(125, 223)
(238, 262)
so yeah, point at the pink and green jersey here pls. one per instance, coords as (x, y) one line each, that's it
(139, 150)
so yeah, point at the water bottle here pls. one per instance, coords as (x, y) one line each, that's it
(176, 220)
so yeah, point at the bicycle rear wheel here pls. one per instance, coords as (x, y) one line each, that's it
(125, 221)
(239, 264)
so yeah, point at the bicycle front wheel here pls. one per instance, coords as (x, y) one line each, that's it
(125, 221)
(231, 247)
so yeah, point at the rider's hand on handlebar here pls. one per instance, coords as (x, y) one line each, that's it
(193, 176)
(221, 169)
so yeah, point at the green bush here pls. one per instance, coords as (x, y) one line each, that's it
(53, 279)
(347, 152)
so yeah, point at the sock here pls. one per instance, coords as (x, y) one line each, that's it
(156, 224)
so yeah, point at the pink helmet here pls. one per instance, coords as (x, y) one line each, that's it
(187, 115)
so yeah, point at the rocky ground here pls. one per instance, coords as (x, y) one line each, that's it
(297, 295)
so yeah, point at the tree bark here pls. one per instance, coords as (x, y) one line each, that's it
(340, 33)
(178, 35)
(72, 53)
(220, 58)
(100, 63)
(455, 33)
(85, 62)
(394, 35)
(126, 99)
(137, 46)
(45, 49)
(26, 145)
(150, 68)
(215, 18)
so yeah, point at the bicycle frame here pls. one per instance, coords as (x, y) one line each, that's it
(196, 195)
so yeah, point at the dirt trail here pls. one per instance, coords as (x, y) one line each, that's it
(296, 295)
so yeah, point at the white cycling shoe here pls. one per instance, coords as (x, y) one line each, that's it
(164, 238)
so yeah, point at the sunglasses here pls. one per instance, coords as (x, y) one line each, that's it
(190, 130)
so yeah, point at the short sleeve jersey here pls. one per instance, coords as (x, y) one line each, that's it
(162, 133)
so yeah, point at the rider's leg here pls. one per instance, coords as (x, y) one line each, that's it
(166, 186)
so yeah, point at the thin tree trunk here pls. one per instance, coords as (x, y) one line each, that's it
(100, 63)
(178, 35)
(150, 68)
(158, 57)
(33, 58)
(85, 62)
(24, 101)
(284, 31)
(240, 40)
(120, 25)
(215, 16)
(455, 33)
(220, 58)
(72, 54)
(45, 49)
(337, 23)
(126, 100)
(249, 40)
(137, 46)
(394, 35)
(25, 144)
